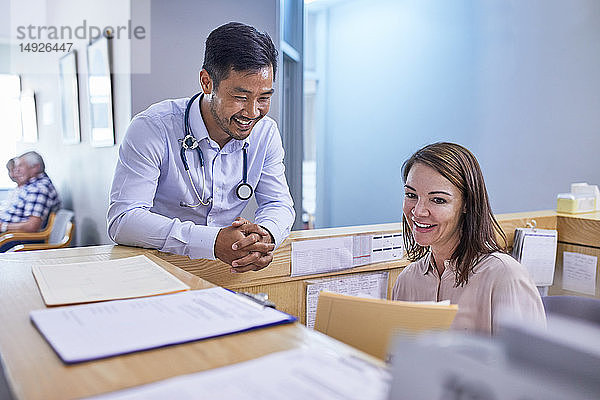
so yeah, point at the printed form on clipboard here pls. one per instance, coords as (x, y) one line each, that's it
(98, 330)
(535, 249)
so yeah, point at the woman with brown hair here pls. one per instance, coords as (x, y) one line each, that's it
(451, 236)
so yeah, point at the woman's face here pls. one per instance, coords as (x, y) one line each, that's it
(433, 207)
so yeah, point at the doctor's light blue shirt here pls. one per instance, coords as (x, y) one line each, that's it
(150, 182)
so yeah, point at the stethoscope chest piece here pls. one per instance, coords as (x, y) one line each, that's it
(189, 142)
(244, 191)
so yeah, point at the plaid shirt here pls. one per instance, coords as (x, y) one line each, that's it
(36, 198)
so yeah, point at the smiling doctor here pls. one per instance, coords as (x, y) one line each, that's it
(187, 167)
(450, 235)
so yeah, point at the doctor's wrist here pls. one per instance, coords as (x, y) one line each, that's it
(271, 237)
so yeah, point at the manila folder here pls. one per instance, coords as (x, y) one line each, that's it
(370, 324)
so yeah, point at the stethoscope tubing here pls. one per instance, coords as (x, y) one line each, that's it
(189, 142)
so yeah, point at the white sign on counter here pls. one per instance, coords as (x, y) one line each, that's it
(317, 256)
(321, 255)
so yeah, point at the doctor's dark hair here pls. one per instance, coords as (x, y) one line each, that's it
(239, 47)
(479, 230)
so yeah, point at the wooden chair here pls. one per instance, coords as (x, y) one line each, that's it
(58, 233)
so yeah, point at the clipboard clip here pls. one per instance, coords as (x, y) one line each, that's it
(532, 224)
(261, 299)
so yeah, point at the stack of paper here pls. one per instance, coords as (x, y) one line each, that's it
(87, 282)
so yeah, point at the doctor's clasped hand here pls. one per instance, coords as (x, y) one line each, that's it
(252, 248)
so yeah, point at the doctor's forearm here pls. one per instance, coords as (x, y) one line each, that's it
(142, 228)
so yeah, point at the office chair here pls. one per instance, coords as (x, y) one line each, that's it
(58, 233)
(584, 308)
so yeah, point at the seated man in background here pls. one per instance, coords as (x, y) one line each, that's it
(33, 199)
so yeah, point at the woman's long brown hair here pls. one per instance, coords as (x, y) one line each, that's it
(478, 225)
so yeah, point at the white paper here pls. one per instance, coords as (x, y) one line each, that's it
(104, 280)
(386, 247)
(579, 273)
(333, 254)
(90, 331)
(372, 285)
(434, 303)
(298, 374)
(361, 249)
(321, 255)
(538, 255)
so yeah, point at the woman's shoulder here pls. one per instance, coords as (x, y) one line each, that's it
(499, 257)
(501, 264)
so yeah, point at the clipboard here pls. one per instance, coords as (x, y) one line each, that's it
(535, 249)
(99, 330)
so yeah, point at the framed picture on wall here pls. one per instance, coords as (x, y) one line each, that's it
(100, 93)
(69, 98)
(29, 117)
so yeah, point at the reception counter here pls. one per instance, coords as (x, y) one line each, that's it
(34, 371)
(289, 292)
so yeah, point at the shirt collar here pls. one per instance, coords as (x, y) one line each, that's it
(36, 178)
(201, 133)
(427, 265)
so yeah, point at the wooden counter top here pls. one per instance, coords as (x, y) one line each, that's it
(34, 371)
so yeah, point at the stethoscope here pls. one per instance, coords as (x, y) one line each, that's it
(189, 142)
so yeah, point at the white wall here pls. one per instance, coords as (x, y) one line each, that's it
(81, 173)
(179, 29)
(516, 82)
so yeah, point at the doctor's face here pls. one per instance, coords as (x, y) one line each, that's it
(240, 101)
